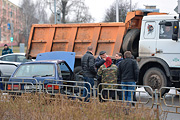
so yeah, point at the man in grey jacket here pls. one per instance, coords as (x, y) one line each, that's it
(89, 71)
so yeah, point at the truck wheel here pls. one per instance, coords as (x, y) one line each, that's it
(155, 78)
(131, 42)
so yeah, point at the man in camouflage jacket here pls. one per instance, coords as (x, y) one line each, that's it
(108, 72)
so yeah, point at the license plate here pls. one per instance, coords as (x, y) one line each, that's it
(32, 87)
(28, 87)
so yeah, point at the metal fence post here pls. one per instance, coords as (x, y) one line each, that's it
(157, 104)
(94, 92)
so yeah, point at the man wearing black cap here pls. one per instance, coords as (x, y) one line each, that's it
(6, 50)
(100, 60)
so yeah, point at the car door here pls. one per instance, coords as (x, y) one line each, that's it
(65, 71)
(168, 49)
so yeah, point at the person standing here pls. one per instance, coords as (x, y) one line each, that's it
(118, 59)
(100, 60)
(128, 73)
(108, 72)
(6, 50)
(89, 71)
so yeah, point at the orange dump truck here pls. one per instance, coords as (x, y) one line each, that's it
(140, 34)
(77, 37)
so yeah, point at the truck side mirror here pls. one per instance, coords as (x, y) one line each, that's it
(175, 37)
(175, 27)
(175, 30)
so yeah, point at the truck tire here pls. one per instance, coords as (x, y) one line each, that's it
(155, 78)
(131, 42)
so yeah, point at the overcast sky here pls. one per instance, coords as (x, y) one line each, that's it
(97, 8)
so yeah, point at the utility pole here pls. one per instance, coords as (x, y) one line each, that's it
(54, 11)
(12, 30)
(117, 10)
(179, 8)
(130, 5)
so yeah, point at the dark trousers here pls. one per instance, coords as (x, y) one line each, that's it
(111, 94)
(91, 81)
(100, 87)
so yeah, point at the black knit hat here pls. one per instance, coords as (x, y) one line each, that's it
(5, 45)
(102, 52)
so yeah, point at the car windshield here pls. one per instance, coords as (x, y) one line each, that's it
(35, 70)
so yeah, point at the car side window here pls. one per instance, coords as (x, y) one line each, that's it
(7, 69)
(21, 58)
(10, 58)
(65, 71)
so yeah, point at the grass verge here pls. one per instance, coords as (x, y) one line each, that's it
(43, 107)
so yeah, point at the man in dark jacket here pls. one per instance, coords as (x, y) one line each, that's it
(100, 60)
(6, 50)
(128, 73)
(118, 59)
(89, 71)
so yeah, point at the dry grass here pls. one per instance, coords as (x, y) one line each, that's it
(41, 107)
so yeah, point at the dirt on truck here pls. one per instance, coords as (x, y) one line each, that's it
(140, 34)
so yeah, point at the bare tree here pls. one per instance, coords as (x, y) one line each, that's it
(82, 14)
(29, 12)
(41, 13)
(124, 7)
(72, 10)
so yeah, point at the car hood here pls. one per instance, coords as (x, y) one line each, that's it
(69, 57)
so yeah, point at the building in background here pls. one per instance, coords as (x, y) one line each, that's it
(17, 18)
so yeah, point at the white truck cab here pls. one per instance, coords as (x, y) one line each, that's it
(159, 54)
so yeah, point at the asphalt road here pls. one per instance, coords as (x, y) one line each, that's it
(168, 100)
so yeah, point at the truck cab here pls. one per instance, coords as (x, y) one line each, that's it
(159, 58)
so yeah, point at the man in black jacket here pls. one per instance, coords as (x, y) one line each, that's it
(128, 73)
(100, 60)
(89, 71)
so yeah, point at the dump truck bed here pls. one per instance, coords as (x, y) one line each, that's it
(76, 38)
